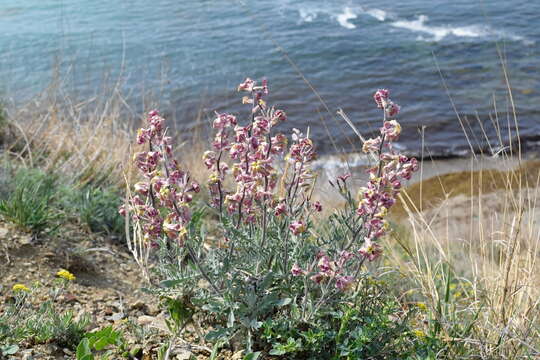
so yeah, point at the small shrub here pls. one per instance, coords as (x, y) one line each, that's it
(269, 265)
(62, 328)
(22, 321)
(98, 209)
(107, 342)
(30, 202)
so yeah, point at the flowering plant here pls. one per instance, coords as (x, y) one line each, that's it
(266, 257)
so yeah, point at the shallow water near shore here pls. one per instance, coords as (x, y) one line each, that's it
(192, 54)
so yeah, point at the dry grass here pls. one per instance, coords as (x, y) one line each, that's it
(491, 245)
(86, 141)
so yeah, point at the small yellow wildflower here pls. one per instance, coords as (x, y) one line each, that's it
(421, 306)
(419, 334)
(382, 212)
(64, 274)
(20, 287)
(256, 166)
(182, 232)
(213, 179)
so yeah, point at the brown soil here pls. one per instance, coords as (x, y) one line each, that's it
(107, 288)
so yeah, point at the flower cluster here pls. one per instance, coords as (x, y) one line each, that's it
(252, 150)
(66, 275)
(386, 177)
(20, 288)
(165, 186)
(374, 202)
(326, 270)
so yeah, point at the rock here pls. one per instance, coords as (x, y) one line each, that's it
(109, 310)
(138, 305)
(182, 353)
(238, 355)
(152, 321)
(152, 310)
(145, 320)
(116, 316)
(27, 354)
(69, 298)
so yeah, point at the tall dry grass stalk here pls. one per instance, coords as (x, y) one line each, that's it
(490, 243)
(481, 235)
(85, 141)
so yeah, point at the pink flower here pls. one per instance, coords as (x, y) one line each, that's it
(122, 210)
(247, 85)
(344, 177)
(280, 209)
(297, 271)
(344, 283)
(370, 250)
(278, 117)
(380, 97)
(317, 206)
(141, 187)
(392, 109)
(318, 278)
(326, 266)
(298, 227)
(391, 130)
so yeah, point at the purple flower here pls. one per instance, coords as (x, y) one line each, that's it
(380, 97)
(297, 227)
(370, 250)
(297, 271)
(344, 283)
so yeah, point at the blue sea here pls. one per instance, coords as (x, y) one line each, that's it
(192, 55)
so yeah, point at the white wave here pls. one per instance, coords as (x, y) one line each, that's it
(343, 15)
(378, 14)
(438, 33)
(307, 15)
(344, 18)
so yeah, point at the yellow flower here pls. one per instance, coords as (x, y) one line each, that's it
(421, 306)
(419, 334)
(182, 232)
(64, 274)
(20, 287)
(382, 212)
(213, 179)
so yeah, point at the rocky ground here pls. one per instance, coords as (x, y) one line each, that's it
(107, 288)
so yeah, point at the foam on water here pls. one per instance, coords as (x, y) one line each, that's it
(344, 19)
(439, 33)
(378, 14)
(307, 15)
(342, 14)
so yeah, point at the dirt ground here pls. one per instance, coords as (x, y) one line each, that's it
(107, 288)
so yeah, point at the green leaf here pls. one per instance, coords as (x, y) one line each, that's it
(170, 283)
(283, 302)
(252, 356)
(279, 351)
(9, 349)
(219, 334)
(83, 350)
(230, 319)
(179, 311)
